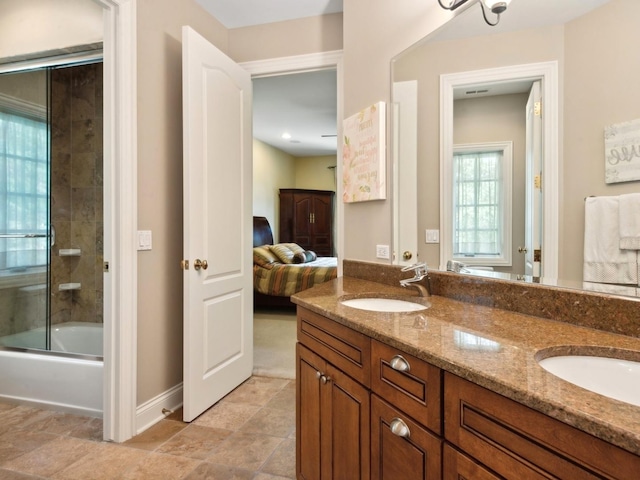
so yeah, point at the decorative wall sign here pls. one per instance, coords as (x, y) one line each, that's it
(622, 152)
(363, 155)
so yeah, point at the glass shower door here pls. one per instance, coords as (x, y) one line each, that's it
(25, 232)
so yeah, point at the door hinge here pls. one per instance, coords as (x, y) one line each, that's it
(537, 182)
(184, 264)
(537, 109)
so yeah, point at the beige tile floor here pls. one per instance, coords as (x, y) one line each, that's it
(249, 434)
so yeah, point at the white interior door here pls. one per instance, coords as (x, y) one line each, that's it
(218, 301)
(533, 185)
(405, 99)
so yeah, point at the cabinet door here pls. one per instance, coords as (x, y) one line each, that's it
(346, 447)
(322, 224)
(456, 466)
(308, 413)
(401, 448)
(302, 231)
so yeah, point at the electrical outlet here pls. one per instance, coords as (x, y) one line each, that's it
(432, 236)
(382, 251)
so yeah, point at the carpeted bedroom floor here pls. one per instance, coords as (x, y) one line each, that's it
(274, 343)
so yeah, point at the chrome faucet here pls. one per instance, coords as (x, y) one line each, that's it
(420, 272)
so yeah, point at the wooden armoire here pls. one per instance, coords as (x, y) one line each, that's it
(306, 218)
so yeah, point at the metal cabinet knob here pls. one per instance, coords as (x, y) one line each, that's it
(399, 428)
(522, 249)
(198, 264)
(399, 363)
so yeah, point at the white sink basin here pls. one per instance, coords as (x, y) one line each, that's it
(383, 305)
(611, 377)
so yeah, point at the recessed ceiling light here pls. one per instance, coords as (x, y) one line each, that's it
(286, 135)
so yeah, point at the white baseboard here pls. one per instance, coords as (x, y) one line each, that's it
(150, 412)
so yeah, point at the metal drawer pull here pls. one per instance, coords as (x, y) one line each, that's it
(399, 428)
(324, 379)
(399, 363)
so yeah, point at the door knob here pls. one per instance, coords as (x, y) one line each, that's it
(197, 264)
(407, 255)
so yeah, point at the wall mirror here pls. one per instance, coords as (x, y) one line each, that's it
(469, 85)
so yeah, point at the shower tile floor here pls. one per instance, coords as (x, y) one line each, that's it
(249, 434)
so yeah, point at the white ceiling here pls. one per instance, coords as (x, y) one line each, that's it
(243, 13)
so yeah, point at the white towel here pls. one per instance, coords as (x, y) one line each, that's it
(626, 290)
(630, 221)
(604, 261)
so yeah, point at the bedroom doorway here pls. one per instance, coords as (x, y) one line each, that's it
(283, 163)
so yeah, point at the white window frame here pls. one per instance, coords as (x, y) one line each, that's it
(505, 260)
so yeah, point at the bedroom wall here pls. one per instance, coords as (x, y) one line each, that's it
(316, 173)
(272, 169)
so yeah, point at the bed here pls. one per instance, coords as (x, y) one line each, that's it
(281, 270)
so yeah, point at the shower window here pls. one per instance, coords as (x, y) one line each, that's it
(24, 188)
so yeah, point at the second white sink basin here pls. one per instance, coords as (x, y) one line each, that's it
(611, 377)
(383, 305)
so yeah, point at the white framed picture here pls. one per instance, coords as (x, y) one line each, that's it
(364, 155)
(622, 152)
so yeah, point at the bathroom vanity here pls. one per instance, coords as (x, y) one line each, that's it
(451, 391)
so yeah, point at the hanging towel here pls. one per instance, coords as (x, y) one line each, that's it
(604, 261)
(630, 221)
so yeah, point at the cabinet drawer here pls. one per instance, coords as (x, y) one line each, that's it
(400, 447)
(520, 443)
(417, 390)
(345, 348)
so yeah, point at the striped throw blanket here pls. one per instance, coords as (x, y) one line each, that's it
(283, 280)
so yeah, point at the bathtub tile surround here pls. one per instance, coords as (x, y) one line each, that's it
(77, 192)
(48, 445)
(586, 309)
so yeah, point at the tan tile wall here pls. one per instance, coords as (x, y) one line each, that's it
(76, 192)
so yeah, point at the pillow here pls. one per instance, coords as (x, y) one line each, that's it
(283, 252)
(294, 247)
(263, 256)
(305, 256)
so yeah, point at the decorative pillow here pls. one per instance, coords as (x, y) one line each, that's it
(294, 247)
(263, 256)
(283, 252)
(305, 256)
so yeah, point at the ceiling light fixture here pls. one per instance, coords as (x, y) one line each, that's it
(496, 7)
(286, 136)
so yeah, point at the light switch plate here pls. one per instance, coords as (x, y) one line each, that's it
(144, 239)
(432, 236)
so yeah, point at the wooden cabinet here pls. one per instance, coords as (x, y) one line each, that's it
(332, 408)
(368, 410)
(306, 218)
(517, 442)
(456, 466)
(401, 448)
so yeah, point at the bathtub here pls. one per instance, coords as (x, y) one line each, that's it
(61, 381)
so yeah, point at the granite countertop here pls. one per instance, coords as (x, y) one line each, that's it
(493, 348)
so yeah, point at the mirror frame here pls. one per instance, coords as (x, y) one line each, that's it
(548, 73)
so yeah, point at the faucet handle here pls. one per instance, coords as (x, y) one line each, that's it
(419, 268)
